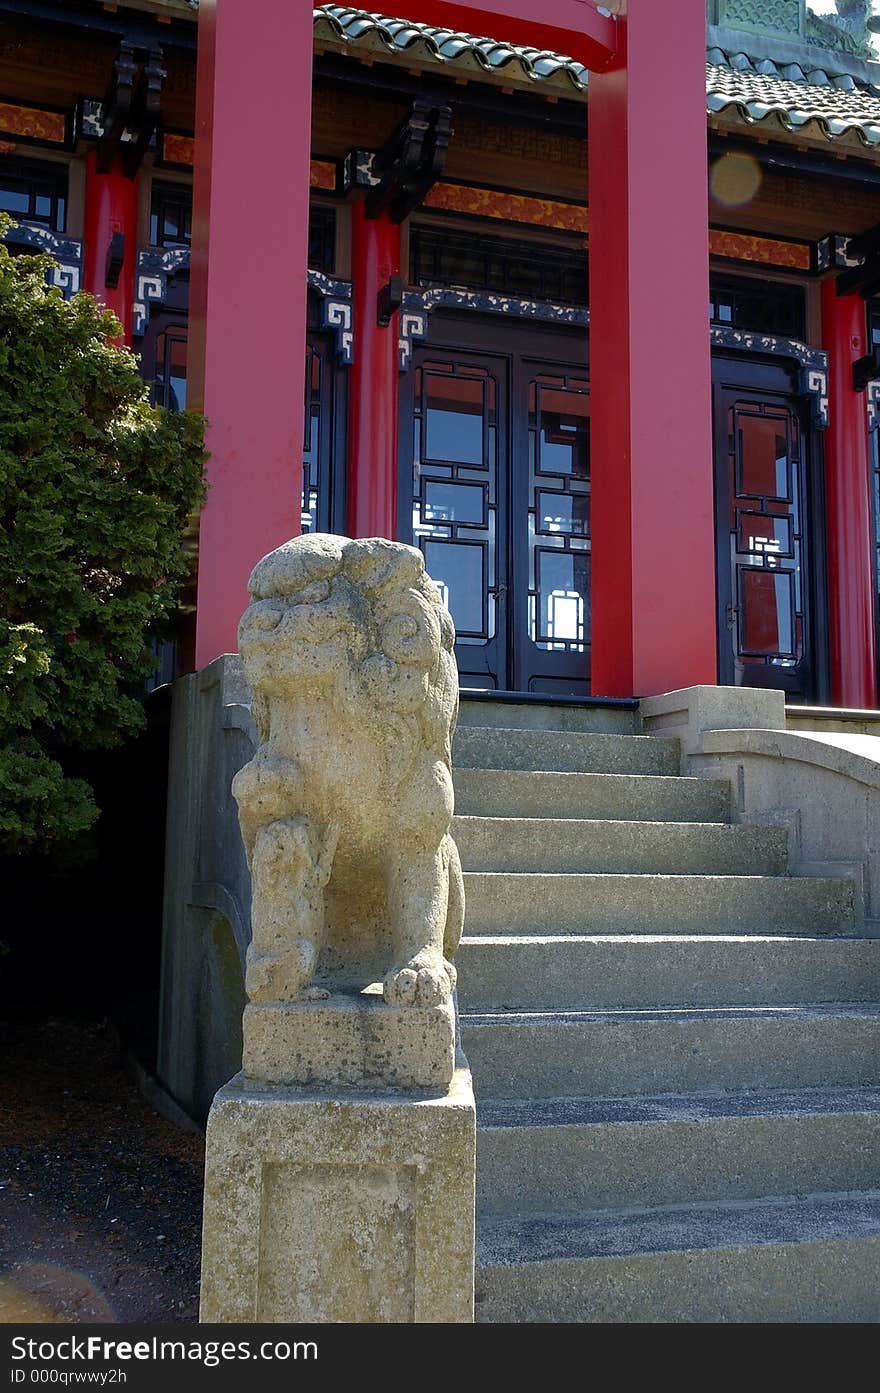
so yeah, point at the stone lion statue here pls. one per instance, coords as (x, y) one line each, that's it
(346, 806)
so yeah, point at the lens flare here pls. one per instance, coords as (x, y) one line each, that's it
(735, 179)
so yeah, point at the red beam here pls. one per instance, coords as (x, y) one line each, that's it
(851, 631)
(653, 560)
(247, 334)
(110, 206)
(373, 386)
(572, 27)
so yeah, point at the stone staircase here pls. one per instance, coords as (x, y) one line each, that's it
(675, 1044)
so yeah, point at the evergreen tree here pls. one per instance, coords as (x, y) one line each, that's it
(96, 486)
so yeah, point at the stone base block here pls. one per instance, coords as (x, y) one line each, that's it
(350, 1040)
(339, 1206)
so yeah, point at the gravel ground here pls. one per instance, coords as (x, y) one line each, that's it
(100, 1197)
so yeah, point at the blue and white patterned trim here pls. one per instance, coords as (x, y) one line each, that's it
(153, 269)
(66, 252)
(337, 312)
(418, 304)
(813, 362)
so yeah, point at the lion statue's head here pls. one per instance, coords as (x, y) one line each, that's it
(358, 622)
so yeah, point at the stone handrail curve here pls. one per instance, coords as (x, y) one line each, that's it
(852, 756)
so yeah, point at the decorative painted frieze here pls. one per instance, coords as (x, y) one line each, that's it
(33, 123)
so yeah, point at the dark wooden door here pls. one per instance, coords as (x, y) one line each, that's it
(769, 547)
(495, 491)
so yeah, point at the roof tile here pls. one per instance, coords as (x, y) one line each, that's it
(736, 85)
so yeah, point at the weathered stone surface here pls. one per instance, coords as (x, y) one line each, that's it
(806, 1259)
(688, 713)
(333, 1190)
(342, 1206)
(350, 1040)
(345, 808)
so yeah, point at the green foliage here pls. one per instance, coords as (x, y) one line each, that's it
(96, 486)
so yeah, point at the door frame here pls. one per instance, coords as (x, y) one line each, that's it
(776, 374)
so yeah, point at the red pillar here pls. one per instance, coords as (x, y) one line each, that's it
(249, 287)
(110, 206)
(373, 383)
(653, 563)
(851, 631)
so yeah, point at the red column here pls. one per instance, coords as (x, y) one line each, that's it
(653, 563)
(373, 383)
(248, 305)
(110, 206)
(851, 631)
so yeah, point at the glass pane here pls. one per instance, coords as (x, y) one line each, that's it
(171, 371)
(563, 597)
(178, 369)
(763, 461)
(42, 206)
(454, 503)
(176, 374)
(457, 570)
(766, 609)
(454, 410)
(14, 198)
(564, 512)
(565, 433)
(767, 536)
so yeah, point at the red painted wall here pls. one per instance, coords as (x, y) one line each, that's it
(851, 630)
(653, 566)
(653, 560)
(248, 308)
(110, 206)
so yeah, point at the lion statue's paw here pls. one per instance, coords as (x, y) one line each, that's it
(421, 982)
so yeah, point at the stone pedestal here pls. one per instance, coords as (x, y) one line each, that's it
(348, 1040)
(339, 1204)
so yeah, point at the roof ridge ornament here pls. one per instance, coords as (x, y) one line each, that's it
(849, 30)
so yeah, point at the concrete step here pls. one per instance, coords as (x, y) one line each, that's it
(600, 718)
(487, 747)
(619, 846)
(569, 1154)
(507, 903)
(600, 1053)
(517, 793)
(808, 1259)
(547, 973)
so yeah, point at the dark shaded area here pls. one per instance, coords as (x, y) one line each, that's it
(82, 932)
(100, 1197)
